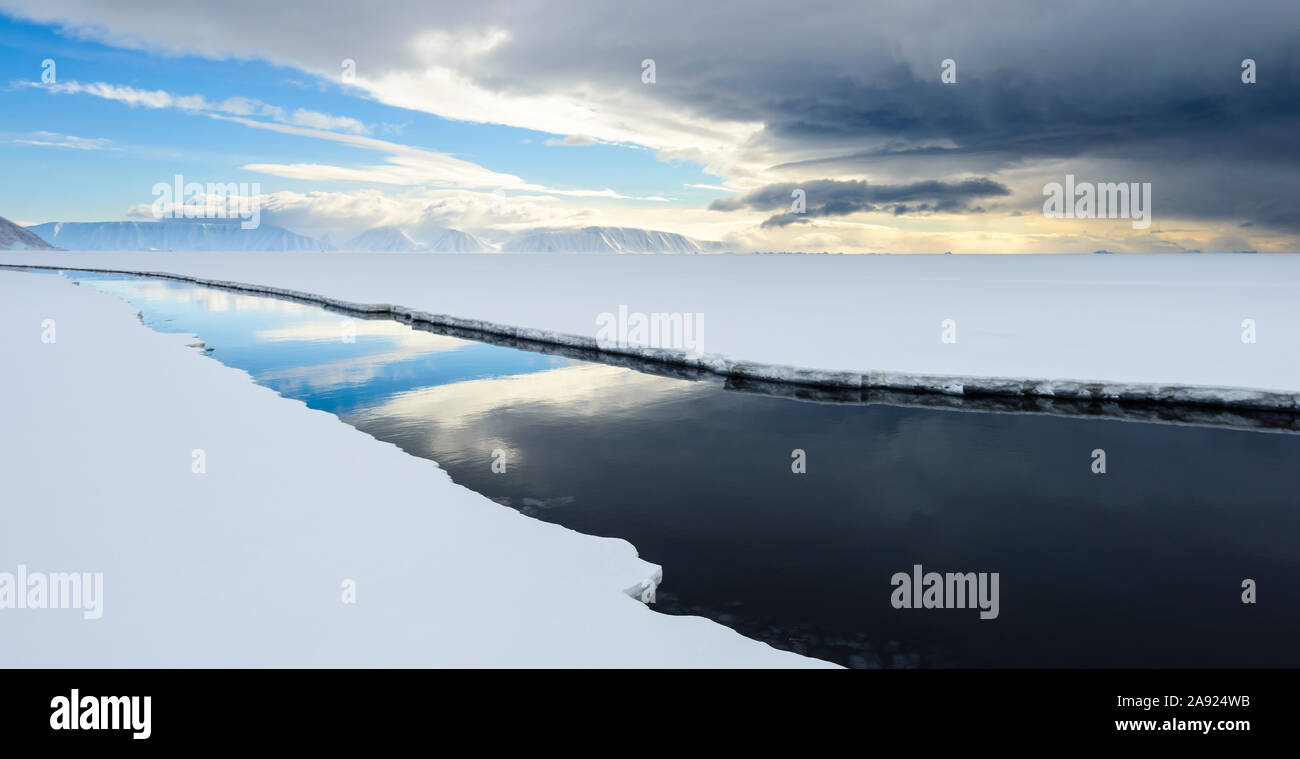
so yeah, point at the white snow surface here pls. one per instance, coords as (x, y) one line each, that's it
(1147, 325)
(243, 565)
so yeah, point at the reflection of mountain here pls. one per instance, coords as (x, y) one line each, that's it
(207, 298)
(171, 235)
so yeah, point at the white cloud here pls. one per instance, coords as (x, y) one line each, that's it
(626, 118)
(452, 63)
(572, 140)
(233, 106)
(317, 120)
(56, 140)
(405, 165)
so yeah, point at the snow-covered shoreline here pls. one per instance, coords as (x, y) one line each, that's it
(242, 564)
(1159, 329)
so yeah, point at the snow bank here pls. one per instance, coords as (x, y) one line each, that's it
(245, 564)
(1154, 327)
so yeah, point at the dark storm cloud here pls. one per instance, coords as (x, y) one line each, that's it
(1036, 123)
(1151, 90)
(826, 197)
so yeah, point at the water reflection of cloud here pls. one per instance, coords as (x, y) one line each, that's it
(332, 331)
(581, 389)
(358, 370)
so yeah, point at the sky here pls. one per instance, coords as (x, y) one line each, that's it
(915, 127)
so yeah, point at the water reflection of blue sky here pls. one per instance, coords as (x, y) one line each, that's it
(311, 358)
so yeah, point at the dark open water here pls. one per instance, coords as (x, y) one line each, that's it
(1141, 566)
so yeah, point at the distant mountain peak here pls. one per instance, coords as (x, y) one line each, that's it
(14, 237)
(455, 241)
(382, 239)
(425, 237)
(596, 239)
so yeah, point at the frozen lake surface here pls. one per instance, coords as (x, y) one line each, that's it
(1140, 566)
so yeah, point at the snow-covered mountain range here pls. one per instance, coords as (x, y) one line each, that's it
(438, 240)
(171, 235)
(185, 235)
(605, 240)
(382, 239)
(456, 241)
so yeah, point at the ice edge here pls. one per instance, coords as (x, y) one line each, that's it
(955, 385)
